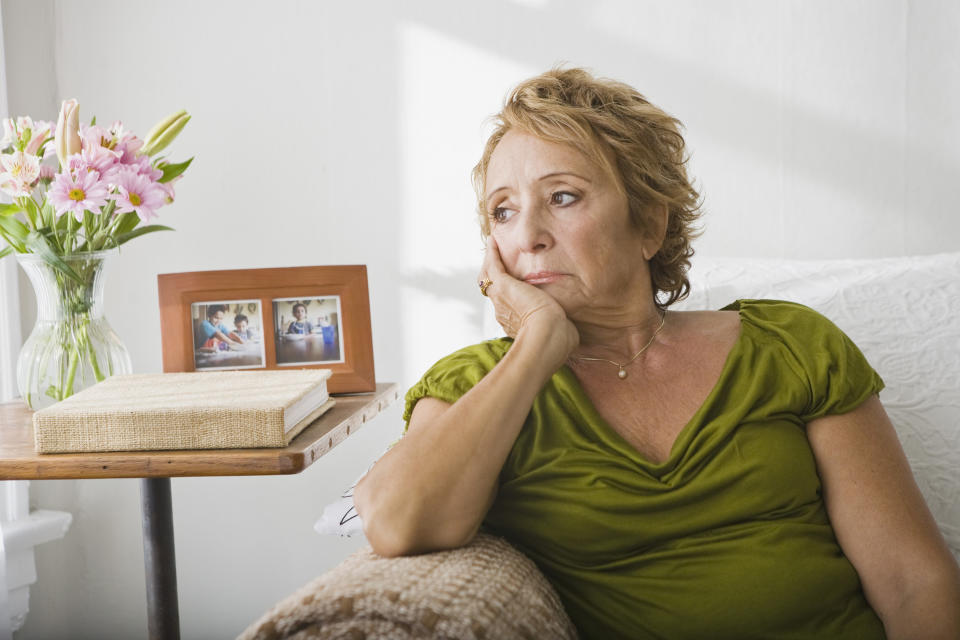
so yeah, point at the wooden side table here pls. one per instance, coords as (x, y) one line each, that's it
(19, 461)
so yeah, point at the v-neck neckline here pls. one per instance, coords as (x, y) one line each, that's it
(682, 442)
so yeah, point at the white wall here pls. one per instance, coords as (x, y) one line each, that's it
(344, 132)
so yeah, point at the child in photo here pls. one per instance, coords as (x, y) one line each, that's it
(241, 328)
(301, 325)
(216, 335)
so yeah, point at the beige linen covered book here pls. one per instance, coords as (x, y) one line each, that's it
(197, 410)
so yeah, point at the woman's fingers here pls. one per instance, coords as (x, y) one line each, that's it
(517, 303)
(493, 259)
(513, 300)
(492, 268)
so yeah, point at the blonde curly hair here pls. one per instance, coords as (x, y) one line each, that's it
(637, 143)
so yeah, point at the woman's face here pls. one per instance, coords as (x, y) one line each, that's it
(299, 312)
(562, 225)
(216, 318)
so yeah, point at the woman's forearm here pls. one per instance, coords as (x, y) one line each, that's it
(433, 488)
(931, 612)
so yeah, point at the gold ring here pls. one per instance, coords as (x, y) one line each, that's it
(484, 285)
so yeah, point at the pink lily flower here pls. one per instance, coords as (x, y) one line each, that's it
(9, 133)
(20, 172)
(40, 134)
(168, 188)
(144, 168)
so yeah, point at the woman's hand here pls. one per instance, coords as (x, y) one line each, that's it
(523, 308)
(452, 455)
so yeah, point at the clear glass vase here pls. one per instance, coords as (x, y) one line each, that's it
(72, 346)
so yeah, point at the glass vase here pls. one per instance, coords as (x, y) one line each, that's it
(72, 346)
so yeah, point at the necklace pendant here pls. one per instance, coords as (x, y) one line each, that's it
(622, 374)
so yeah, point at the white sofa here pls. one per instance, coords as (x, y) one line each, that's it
(904, 313)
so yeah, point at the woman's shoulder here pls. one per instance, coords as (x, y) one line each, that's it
(781, 316)
(836, 374)
(767, 306)
(807, 335)
(456, 373)
(482, 356)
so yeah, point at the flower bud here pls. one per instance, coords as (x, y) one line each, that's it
(164, 132)
(67, 135)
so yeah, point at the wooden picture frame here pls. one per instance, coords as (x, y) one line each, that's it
(344, 344)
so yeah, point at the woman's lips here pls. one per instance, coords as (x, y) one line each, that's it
(542, 277)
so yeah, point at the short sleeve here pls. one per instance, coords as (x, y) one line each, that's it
(455, 374)
(837, 374)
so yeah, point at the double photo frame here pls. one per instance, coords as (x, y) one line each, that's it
(275, 318)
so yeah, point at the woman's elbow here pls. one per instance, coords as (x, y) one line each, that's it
(396, 531)
(384, 534)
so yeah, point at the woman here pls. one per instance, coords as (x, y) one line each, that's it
(721, 474)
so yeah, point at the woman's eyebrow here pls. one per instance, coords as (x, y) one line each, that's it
(555, 174)
(546, 176)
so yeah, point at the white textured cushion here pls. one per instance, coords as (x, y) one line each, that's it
(340, 517)
(904, 314)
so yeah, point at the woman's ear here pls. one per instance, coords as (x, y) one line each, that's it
(656, 230)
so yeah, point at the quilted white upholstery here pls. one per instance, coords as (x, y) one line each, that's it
(904, 314)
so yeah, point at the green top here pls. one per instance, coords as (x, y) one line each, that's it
(728, 537)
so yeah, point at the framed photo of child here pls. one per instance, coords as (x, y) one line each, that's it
(305, 317)
(309, 330)
(227, 334)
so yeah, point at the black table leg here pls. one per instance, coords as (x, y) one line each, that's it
(156, 506)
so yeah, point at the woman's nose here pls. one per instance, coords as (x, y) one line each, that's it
(534, 229)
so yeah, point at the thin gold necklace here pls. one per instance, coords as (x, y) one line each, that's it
(622, 373)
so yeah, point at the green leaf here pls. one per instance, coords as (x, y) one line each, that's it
(37, 243)
(43, 147)
(9, 209)
(126, 222)
(63, 221)
(48, 215)
(13, 242)
(88, 223)
(32, 211)
(15, 229)
(171, 171)
(126, 237)
(6, 251)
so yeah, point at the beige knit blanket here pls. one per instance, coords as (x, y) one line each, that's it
(486, 590)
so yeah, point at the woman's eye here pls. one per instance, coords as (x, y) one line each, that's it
(562, 198)
(502, 214)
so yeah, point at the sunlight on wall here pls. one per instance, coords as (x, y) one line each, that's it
(447, 91)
